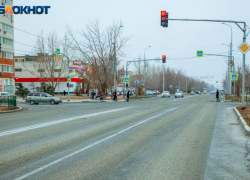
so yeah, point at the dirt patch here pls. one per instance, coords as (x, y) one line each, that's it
(245, 113)
(233, 99)
(5, 108)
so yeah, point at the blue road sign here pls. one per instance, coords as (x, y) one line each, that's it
(199, 53)
(69, 78)
(234, 77)
(126, 80)
(170, 86)
(58, 51)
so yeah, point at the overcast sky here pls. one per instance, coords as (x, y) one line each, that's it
(141, 18)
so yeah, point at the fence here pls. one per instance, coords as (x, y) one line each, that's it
(9, 101)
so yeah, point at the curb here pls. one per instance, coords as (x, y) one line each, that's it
(242, 122)
(20, 108)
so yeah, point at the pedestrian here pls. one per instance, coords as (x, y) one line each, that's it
(115, 95)
(92, 94)
(128, 95)
(64, 92)
(217, 96)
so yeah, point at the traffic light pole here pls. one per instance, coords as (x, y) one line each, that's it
(68, 73)
(163, 68)
(244, 40)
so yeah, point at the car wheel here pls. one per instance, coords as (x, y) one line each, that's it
(32, 102)
(52, 102)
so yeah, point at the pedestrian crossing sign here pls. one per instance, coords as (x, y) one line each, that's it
(58, 51)
(126, 80)
(234, 77)
(199, 53)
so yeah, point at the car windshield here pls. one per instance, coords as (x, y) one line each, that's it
(179, 92)
(165, 91)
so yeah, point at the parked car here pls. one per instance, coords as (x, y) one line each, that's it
(165, 94)
(36, 98)
(192, 93)
(3, 94)
(179, 94)
(109, 93)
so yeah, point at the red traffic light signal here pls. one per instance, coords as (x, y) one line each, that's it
(164, 17)
(163, 58)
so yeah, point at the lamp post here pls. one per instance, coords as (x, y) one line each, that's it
(231, 47)
(145, 70)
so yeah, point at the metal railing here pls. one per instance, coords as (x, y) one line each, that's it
(9, 101)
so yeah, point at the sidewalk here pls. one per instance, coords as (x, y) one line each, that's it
(229, 150)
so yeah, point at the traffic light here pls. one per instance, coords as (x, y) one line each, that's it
(163, 58)
(164, 17)
(67, 84)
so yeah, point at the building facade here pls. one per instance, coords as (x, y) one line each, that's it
(7, 65)
(29, 72)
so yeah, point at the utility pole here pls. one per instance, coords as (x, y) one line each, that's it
(145, 71)
(114, 66)
(186, 84)
(163, 77)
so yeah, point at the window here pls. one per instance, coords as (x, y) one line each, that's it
(76, 71)
(18, 69)
(7, 68)
(16, 60)
(7, 28)
(30, 94)
(71, 85)
(0, 68)
(37, 94)
(8, 41)
(8, 2)
(41, 70)
(43, 95)
(57, 70)
(7, 55)
(70, 71)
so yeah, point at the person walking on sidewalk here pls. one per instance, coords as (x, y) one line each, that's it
(64, 93)
(115, 96)
(128, 96)
(93, 94)
(217, 96)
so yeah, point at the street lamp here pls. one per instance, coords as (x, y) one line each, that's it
(145, 70)
(231, 47)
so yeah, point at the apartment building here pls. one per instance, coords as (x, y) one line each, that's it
(7, 66)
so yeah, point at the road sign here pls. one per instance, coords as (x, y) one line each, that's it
(216, 81)
(69, 78)
(244, 48)
(234, 77)
(199, 53)
(126, 80)
(58, 51)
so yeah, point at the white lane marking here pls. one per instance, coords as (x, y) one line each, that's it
(9, 132)
(83, 149)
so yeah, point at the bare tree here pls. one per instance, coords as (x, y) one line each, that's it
(97, 46)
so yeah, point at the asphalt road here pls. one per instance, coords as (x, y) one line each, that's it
(157, 138)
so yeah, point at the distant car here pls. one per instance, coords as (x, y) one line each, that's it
(179, 94)
(4, 94)
(165, 94)
(151, 93)
(192, 93)
(198, 92)
(36, 98)
(109, 93)
(213, 92)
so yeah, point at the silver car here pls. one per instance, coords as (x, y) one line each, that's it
(165, 94)
(192, 93)
(4, 94)
(179, 94)
(36, 98)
